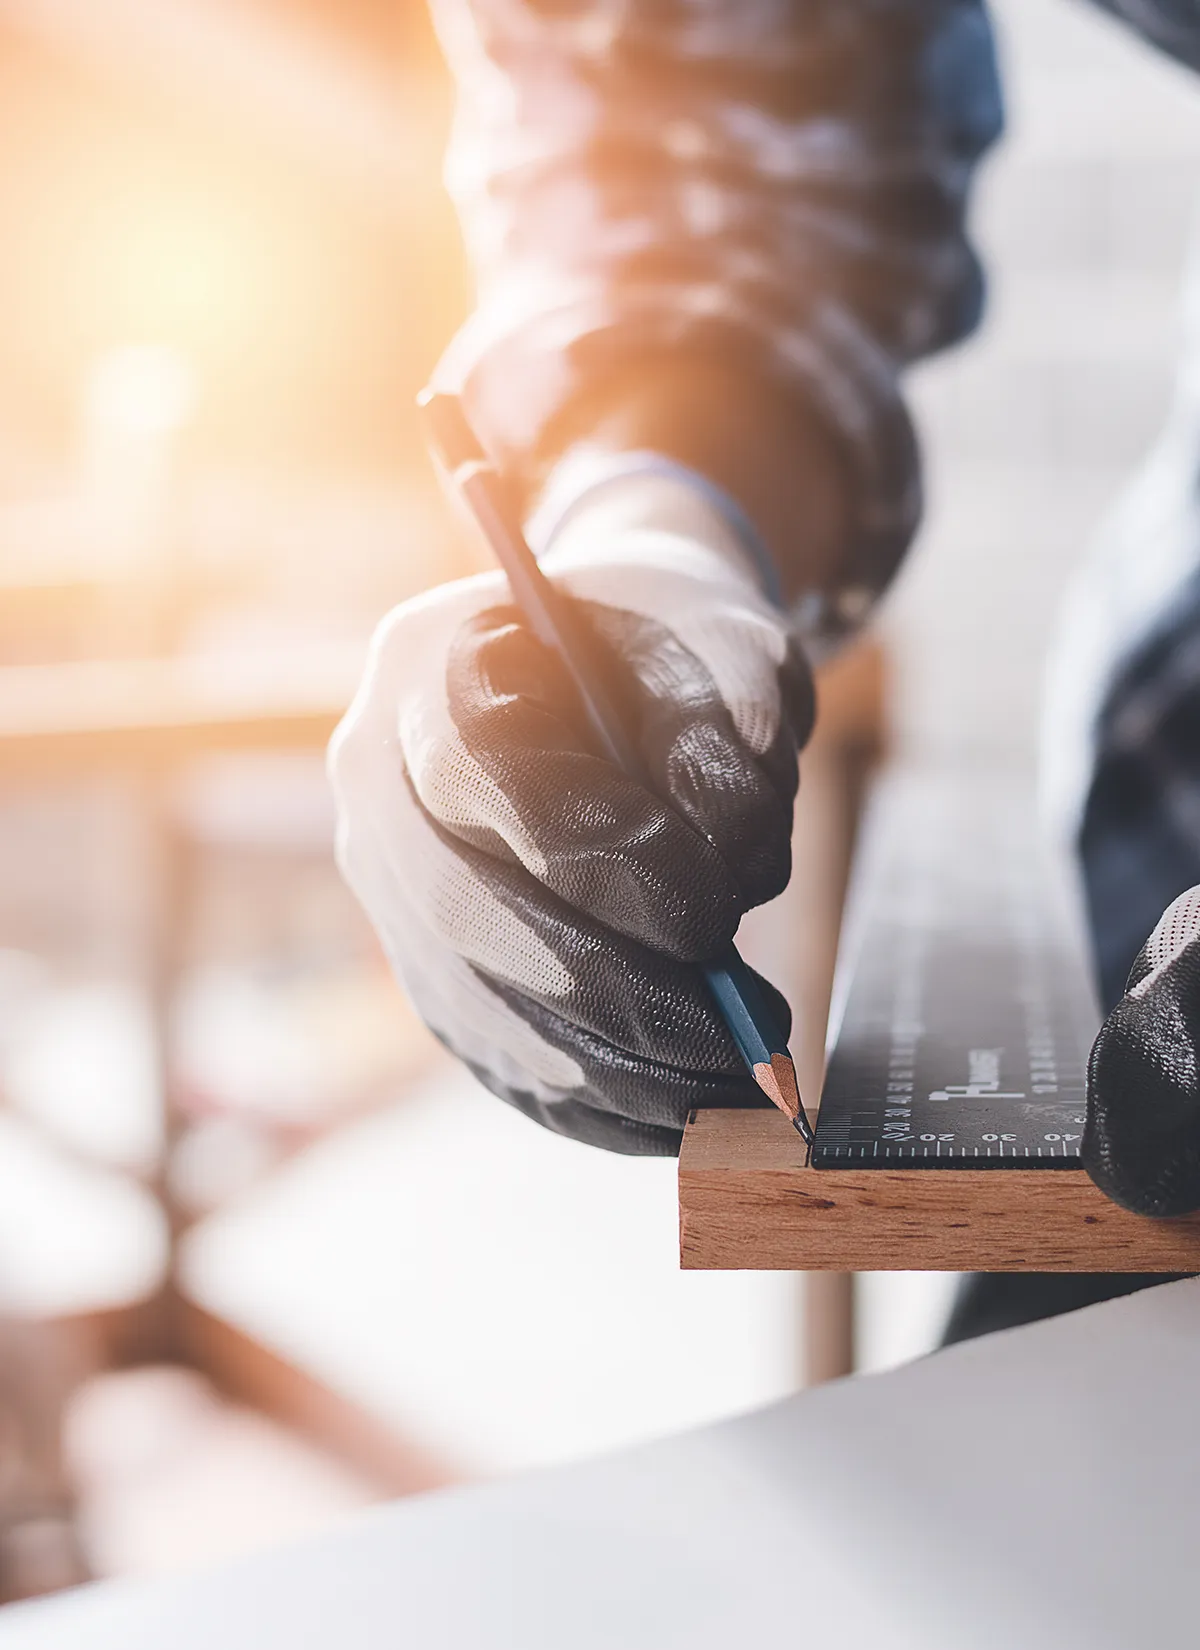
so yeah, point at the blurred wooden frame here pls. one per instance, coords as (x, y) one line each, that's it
(795, 940)
(144, 719)
(61, 722)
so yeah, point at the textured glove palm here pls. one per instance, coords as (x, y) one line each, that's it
(544, 911)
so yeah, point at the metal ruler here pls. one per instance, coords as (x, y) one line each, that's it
(963, 1009)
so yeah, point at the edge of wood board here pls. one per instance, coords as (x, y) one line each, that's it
(748, 1203)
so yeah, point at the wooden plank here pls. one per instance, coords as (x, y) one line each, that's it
(747, 1202)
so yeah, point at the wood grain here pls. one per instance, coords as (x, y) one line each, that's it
(746, 1202)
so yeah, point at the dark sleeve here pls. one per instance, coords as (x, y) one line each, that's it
(782, 183)
(1171, 25)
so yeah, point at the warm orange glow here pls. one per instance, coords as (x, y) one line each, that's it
(217, 303)
(138, 392)
(180, 275)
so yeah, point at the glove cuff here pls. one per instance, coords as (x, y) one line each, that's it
(620, 492)
(1178, 926)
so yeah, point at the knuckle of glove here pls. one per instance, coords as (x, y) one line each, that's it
(511, 771)
(1141, 1142)
(723, 702)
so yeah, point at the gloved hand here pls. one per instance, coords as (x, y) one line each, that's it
(1141, 1144)
(543, 911)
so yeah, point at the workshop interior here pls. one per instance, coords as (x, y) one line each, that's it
(270, 1254)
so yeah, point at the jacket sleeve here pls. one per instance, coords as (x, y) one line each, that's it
(782, 183)
(1171, 25)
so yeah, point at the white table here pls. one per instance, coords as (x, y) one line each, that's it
(1038, 1490)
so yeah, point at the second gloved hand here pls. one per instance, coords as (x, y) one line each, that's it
(545, 912)
(1142, 1140)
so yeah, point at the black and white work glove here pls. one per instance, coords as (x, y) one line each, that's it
(1141, 1144)
(544, 912)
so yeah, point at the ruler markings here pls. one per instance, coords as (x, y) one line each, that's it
(964, 1009)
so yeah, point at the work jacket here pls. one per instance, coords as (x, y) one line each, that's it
(784, 184)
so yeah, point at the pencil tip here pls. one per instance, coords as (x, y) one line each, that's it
(777, 1080)
(785, 1074)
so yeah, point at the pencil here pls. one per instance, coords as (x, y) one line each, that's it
(480, 487)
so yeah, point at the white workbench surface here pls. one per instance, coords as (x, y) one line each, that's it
(1039, 1490)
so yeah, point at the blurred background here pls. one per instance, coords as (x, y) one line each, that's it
(266, 1255)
